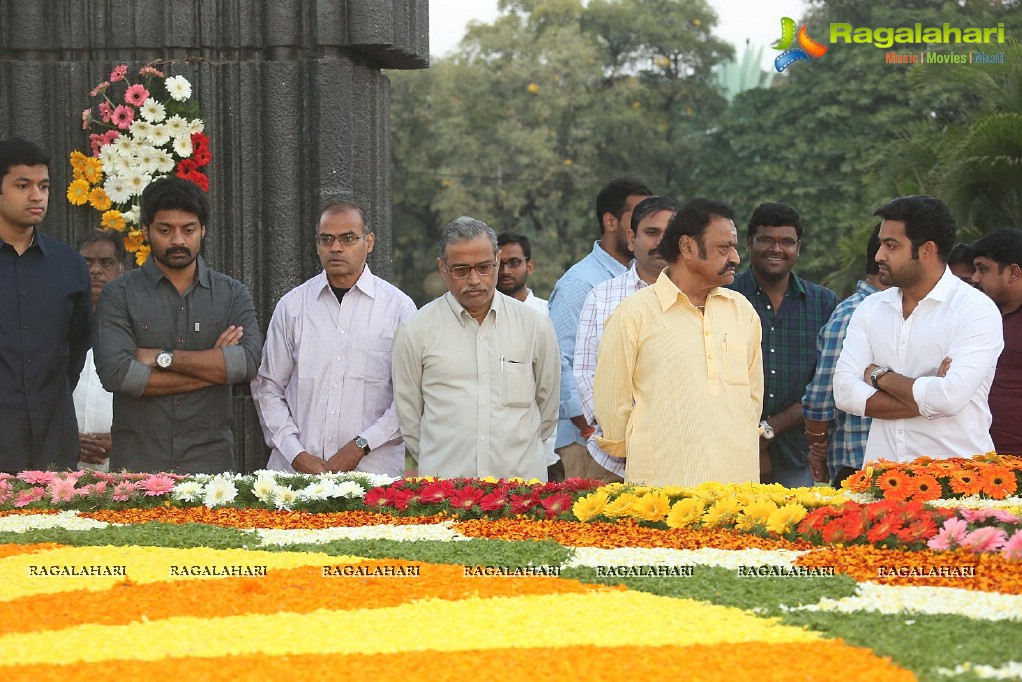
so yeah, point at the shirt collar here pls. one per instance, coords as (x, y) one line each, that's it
(38, 239)
(864, 287)
(668, 293)
(609, 263)
(153, 273)
(366, 283)
(463, 316)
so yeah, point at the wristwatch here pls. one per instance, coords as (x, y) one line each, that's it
(877, 373)
(164, 359)
(768, 431)
(362, 443)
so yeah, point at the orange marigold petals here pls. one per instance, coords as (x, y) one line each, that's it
(296, 590)
(624, 533)
(735, 662)
(14, 550)
(993, 572)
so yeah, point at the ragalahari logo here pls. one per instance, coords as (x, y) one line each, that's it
(806, 47)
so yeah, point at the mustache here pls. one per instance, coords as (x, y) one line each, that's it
(184, 250)
(730, 267)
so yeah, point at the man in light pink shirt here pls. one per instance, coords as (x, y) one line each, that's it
(323, 392)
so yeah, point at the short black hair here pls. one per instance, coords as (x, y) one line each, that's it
(872, 248)
(112, 236)
(340, 206)
(1003, 246)
(961, 254)
(17, 151)
(649, 206)
(613, 197)
(173, 193)
(508, 237)
(772, 214)
(692, 219)
(926, 218)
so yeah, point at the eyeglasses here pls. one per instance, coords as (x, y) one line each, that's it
(513, 263)
(463, 271)
(346, 239)
(764, 242)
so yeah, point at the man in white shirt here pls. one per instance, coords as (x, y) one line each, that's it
(516, 266)
(476, 373)
(323, 392)
(649, 221)
(104, 253)
(920, 357)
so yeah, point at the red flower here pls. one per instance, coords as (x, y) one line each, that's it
(923, 529)
(466, 498)
(381, 497)
(185, 167)
(495, 501)
(436, 492)
(557, 504)
(202, 156)
(835, 532)
(815, 519)
(854, 523)
(522, 503)
(883, 529)
(199, 179)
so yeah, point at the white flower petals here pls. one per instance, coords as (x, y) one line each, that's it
(659, 556)
(68, 520)
(910, 599)
(1009, 671)
(408, 533)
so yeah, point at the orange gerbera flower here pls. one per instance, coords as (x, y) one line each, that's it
(998, 481)
(924, 487)
(858, 482)
(894, 485)
(965, 482)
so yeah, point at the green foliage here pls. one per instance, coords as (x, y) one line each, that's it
(143, 534)
(476, 552)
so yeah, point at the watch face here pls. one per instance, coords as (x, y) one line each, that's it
(361, 442)
(164, 359)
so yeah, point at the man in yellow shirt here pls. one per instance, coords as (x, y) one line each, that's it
(679, 374)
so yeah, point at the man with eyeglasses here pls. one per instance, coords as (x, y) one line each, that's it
(792, 311)
(323, 392)
(516, 266)
(476, 373)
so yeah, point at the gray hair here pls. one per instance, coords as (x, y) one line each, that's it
(463, 229)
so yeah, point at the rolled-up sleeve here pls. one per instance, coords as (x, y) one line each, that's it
(850, 391)
(114, 344)
(976, 345)
(242, 361)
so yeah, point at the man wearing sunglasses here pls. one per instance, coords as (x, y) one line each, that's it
(323, 393)
(792, 310)
(476, 373)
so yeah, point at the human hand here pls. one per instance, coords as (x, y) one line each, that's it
(818, 462)
(147, 356)
(94, 448)
(766, 467)
(345, 459)
(945, 365)
(309, 464)
(229, 337)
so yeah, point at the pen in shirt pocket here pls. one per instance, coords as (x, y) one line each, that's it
(725, 340)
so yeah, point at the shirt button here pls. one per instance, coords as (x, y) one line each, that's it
(23, 293)
(335, 385)
(178, 403)
(24, 326)
(342, 331)
(338, 359)
(333, 411)
(771, 350)
(180, 340)
(483, 404)
(771, 395)
(482, 437)
(710, 356)
(773, 371)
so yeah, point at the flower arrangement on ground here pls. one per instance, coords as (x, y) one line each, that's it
(140, 131)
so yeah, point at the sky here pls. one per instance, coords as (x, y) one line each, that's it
(758, 21)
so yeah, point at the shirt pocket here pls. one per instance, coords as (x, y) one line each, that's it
(371, 359)
(736, 364)
(517, 384)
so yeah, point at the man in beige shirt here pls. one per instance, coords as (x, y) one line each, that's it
(679, 374)
(476, 373)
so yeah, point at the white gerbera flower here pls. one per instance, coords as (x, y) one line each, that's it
(159, 135)
(350, 489)
(284, 497)
(117, 189)
(219, 491)
(164, 161)
(319, 490)
(136, 180)
(153, 111)
(196, 125)
(187, 491)
(263, 487)
(132, 217)
(178, 87)
(177, 127)
(183, 146)
(146, 160)
(140, 129)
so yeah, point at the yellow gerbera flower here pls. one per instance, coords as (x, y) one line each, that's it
(621, 506)
(785, 518)
(685, 513)
(590, 506)
(757, 512)
(78, 165)
(652, 506)
(78, 192)
(93, 170)
(113, 220)
(141, 254)
(99, 200)
(134, 241)
(722, 513)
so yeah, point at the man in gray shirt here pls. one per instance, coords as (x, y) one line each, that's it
(171, 338)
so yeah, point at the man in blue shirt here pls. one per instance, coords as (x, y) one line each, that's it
(792, 311)
(609, 258)
(44, 320)
(837, 439)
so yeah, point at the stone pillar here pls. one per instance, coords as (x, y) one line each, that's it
(295, 105)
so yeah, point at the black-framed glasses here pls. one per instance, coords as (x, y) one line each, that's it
(764, 242)
(346, 239)
(463, 271)
(513, 263)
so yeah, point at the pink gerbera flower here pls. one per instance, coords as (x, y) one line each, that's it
(136, 94)
(37, 477)
(123, 116)
(99, 487)
(27, 497)
(119, 72)
(158, 484)
(100, 89)
(61, 489)
(988, 539)
(124, 490)
(951, 535)
(1013, 547)
(106, 111)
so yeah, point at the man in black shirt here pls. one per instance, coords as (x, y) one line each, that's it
(44, 320)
